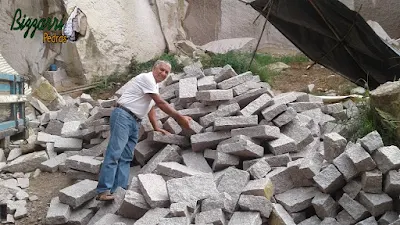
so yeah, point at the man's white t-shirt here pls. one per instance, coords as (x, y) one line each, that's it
(136, 98)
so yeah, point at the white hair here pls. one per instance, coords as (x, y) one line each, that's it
(158, 62)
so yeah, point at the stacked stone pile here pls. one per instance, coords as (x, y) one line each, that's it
(250, 157)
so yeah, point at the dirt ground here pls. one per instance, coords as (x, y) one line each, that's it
(296, 78)
(46, 186)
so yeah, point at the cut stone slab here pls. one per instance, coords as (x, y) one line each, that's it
(249, 85)
(187, 89)
(329, 179)
(355, 209)
(26, 163)
(334, 145)
(79, 193)
(272, 111)
(191, 189)
(215, 216)
(361, 158)
(174, 221)
(301, 135)
(71, 129)
(245, 99)
(344, 164)
(256, 203)
(134, 205)
(172, 126)
(51, 165)
(54, 127)
(58, 213)
(113, 219)
(242, 146)
(233, 122)
(80, 216)
(197, 113)
(282, 145)
(202, 141)
(67, 144)
(214, 95)
(371, 141)
(206, 83)
(263, 132)
(280, 216)
(194, 128)
(297, 199)
(226, 73)
(196, 160)
(257, 105)
(259, 169)
(153, 216)
(304, 106)
(250, 218)
(175, 170)
(83, 163)
(388, 218)
(314, 220)
(376, 204)
(223, 160)
(324, 205)
(392, 183)
(13, 154)
(285, 117)
(154, 190)
(387, 158)
(352, 188)
(236, 80)
(174, 139)
(146, 149)
(193, 70)
(223, 111)
(278, 160)
(371, 181)
(167, 154)
(369, 221)
(23, 182)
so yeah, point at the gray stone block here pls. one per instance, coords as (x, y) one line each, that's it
(304, 106)
(314, 220)
(301, 135)
(187, 89)
(330, 221)
(79, 175)
(376, 204)
(241, 145)
(280, 216)
(233, 122)
(215, 216)
(111, 208)
(297, 199)
(369, 221)
(134, 206)
(324, 205)
(288, 115)
(26, 163)
(343, 217)
(202, 141)
(175, 170)
(282, 145)
(224, 160)
(167, 154)
(193, 70)
(256, 203)
(387, 158)
(212, 71)
(54, 127)
(196, 161)
(174, 139)
(214, 95)
(278, 160)
(173, 78)
(174, 221)
(334, 145)
(113, 219)
(79, 193)
(250, 218)
(154, 190)
(388, 217)
(206, 83)
(102, 121)
(191, 189)
(263, 132)
(80, 217)
(355, 209)
(225, 73)
(285, 98)
(249, 85)
(256, 187)
(259, 169)
(172, 126)
(329, 179)
(352, 188)
(51, 165)
(257, 105)
(223, 111)
(282, 180)
(67, 144)
(58, 213)
(371, 141)
(344, 164)
(83, 163)
(392, 183)
(371, 181)
(197, 113)
(245, 99)
(361, 158)
(236, 80)
(332, 108)
(146, 149)
(194, 128)
(272, 111)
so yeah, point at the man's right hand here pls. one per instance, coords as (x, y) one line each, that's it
(184, 121)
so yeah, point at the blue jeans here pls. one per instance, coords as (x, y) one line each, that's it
(115, 169)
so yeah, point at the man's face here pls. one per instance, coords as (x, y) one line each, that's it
(161, 72)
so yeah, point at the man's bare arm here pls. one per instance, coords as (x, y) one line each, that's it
(153, 119)
(164, 106)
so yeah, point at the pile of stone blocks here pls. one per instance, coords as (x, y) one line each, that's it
(249, 157)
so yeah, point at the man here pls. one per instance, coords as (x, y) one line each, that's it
(138, 99)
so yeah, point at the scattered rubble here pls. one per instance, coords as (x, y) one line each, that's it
(250, 157)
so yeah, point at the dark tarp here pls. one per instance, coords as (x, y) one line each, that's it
(317, 26)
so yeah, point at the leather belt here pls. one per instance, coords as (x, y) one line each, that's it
(130, 112)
